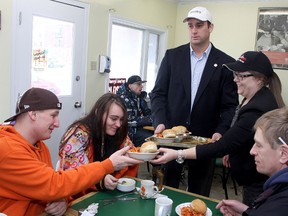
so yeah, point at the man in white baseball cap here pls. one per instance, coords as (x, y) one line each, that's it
(194, 90)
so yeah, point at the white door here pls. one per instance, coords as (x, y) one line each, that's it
(49, 51)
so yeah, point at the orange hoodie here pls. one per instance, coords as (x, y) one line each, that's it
(28, 180)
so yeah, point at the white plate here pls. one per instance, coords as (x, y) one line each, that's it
(199, 140)
(178, 209)
(160, 140)
(142, 156)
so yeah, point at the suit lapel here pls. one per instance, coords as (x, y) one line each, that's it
(186, 71)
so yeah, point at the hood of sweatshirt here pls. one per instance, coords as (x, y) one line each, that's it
(278, 178)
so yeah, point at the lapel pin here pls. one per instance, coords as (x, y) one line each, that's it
(215, 65)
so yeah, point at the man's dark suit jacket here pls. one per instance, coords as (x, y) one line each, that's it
(215, 101)
(214, 107)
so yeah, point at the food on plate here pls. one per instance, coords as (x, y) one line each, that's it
(186, 211)
(159, 135)
(197, 208)
(173, 132)
(134, 149)
(180, 129)
(169, 133)
(148, 147)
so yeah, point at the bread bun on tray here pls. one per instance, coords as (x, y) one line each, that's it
(169, 133)
(148, 147)
(199, 206)
(180, 129)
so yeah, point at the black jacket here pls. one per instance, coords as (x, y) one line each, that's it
(274, 199)
(239, 139)
(215, 101)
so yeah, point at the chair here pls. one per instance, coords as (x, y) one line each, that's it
(225, 174)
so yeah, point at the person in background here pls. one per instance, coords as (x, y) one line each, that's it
(260, 88)
(192, 89)
(270, 153)
(139, 114)
(29, 184)
(96, 137)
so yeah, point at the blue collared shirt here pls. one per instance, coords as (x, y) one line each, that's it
(197, 67)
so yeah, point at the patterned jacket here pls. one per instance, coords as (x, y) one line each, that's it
(139, 114)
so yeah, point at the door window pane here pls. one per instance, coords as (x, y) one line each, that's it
(52, 51)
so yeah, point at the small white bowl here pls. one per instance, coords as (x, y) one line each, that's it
(142, 156)
(126, 184)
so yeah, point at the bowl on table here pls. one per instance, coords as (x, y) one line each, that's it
(126, 184)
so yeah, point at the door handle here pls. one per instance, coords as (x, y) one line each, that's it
(77, 104)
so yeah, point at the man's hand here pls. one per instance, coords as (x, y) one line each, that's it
(120, 160)
(56, 208)
(231, 207)
(159, 128)
(110, 182)
(226, 162)
(216, 137)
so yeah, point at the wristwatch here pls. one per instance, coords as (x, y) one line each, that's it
(180, 156)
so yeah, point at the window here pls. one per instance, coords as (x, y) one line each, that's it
(135, 50)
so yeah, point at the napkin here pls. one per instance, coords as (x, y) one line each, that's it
(91, 210)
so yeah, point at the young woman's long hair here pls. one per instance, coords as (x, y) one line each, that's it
(103, 144)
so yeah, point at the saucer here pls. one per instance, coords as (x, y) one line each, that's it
(154, 196)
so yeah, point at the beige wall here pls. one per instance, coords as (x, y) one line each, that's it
(234, 33)
(154, 13)
(5, 57)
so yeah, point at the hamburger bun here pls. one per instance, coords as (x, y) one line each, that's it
(148, 147)
(169, 133)
(180, 129)
(199, 206)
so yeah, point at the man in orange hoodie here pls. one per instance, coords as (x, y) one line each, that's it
(29, 184)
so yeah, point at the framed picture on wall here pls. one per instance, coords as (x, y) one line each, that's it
(272, 35)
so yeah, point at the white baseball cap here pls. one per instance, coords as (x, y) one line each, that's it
(199, 13)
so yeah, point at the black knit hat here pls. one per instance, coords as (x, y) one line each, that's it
(35, 99)
(135, 79)
(252, 61)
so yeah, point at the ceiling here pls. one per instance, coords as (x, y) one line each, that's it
(213, 1)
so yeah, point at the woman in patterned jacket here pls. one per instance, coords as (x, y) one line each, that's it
(95, 137)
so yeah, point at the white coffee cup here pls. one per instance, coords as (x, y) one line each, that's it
(163, 206)
(148, 189)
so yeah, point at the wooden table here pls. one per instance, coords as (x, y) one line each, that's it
(139, 207)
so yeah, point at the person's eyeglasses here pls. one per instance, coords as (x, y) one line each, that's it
(240, 76)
